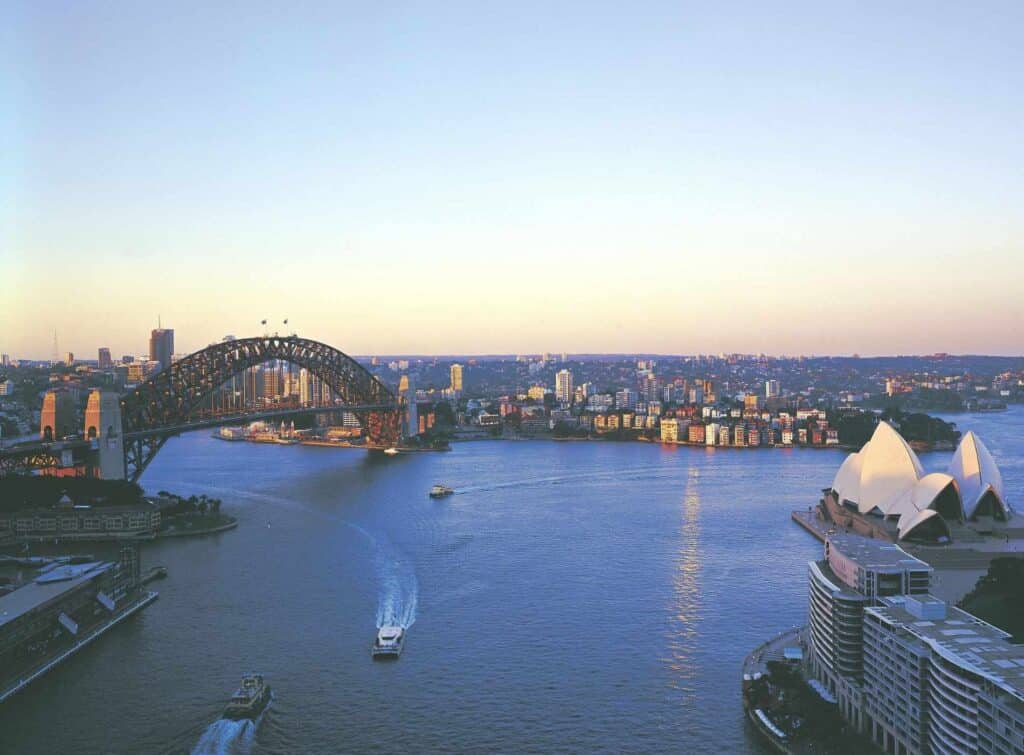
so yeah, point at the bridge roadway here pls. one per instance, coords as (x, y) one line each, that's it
(241, 418)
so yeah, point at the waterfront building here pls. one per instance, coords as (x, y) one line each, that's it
(670, 427)
(455, 375)
(44, 619)
(696, 434)
(854, 574)
(941, 680)
(883, 491)
(914, 674)
(161, 346)
(625, 399)
(563, 387)
(67, 522)
(723, 435)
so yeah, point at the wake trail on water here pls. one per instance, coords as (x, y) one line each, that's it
(398, 586)
(224, 737)
(632, 473)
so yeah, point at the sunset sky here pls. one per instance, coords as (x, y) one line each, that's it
(454, 178)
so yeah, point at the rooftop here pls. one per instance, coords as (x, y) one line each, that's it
(877, 555)
(960, 638)
(42, 590)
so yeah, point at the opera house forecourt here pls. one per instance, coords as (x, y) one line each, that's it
(882, 491)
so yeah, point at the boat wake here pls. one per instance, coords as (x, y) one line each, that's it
(399, 589)
(227, 737)
(642, 472)
(224, 736)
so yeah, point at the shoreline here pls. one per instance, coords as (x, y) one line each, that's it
(199, 532)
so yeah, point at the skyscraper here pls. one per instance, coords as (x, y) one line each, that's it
(771, 389)
(456, 377)
(104, 361)
(161, 346)
(563, 387)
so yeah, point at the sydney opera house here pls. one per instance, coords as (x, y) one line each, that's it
(882, 491)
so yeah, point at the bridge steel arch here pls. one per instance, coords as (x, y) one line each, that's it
(165, 404)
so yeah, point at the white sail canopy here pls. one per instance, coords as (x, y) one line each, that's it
(885, 477)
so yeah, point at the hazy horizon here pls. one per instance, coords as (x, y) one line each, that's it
(457, 179)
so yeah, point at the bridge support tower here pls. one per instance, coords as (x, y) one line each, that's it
(104, 428)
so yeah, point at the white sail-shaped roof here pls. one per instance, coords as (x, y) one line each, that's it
(912, 519)
(847, 480)
(976, 473)
(889, 469)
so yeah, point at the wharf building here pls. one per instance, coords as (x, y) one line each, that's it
(60, 609)
(908, 671)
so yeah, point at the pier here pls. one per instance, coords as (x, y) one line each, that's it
(13, 687)
(810, 521)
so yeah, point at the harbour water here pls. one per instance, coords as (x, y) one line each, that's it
(594, 597)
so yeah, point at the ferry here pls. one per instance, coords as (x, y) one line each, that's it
(389, 642)
(440, 491)
(250, 700)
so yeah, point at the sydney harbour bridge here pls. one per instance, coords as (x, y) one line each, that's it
(123, 434)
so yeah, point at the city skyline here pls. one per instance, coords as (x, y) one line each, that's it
(672, 180)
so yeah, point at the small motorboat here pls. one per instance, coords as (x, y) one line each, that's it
(250, 700)
(389, 642)
(391, 451)
(440, 491)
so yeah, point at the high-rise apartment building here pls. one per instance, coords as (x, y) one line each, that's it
(915, 675)
(563, 387)
(161, 346)
(771, 389)
(103, 361)
(69, 359)
(456, 377)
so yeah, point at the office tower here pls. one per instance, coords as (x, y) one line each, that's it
(456, 377)
(771, 389)
(5, 360)
(563, 387)
(69, 359)
(104, 361)
(161, 346)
